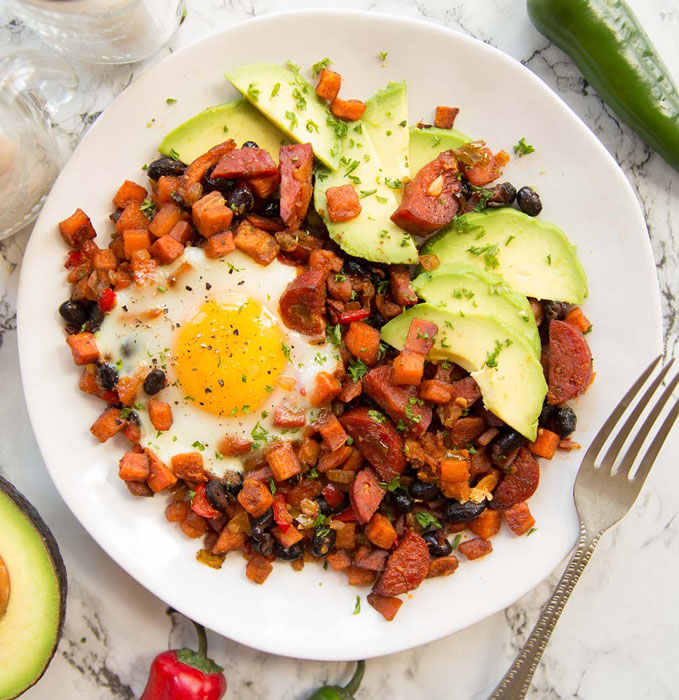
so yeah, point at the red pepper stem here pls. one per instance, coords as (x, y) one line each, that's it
(202, 640)
(352, 686)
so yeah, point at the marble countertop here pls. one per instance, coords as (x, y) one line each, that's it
(619, 634)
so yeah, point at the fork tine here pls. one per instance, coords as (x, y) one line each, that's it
(605, 430)
(623, 433)
(643, 432)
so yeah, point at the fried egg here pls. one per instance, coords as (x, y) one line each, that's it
(214, 328)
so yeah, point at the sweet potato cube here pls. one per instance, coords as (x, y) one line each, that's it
(176, 512)
(332, 432)
(182, 232)
(286, 539)
(135, 239)
(166, 249)
(348, 110)
(325, 388)
(77, 229)
(160, 414)
(329, 84)
(129, 193)
(435, 391)
(487, 525)
(133, 466)
(128, 387)
(232, 446)
(258, 569)
(144, 268)
(343, 203)
(264, 187)
(363, 342)
(443, 566)
(165, 219)
(339, 560)
(189, 467)
(445, 117)
(284, 462)
(160, 475)
(421, 336)
(219, 245)
(519, 518)
(211, 215)
(360, 577)
(255, 497)
(407, 369)
(380, 531)
(194, 525)
(545, 443)
(229, 542)
(108, 424)
(579, 320)
(259, 245)
(164, 189)
(459, 490)
(455, 467)
(346, 536)
(104, 259)
(83, 347)
(476, 548)
(387, 606)
(131, 218)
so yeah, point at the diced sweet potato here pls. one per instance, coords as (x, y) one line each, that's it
(443, 566)
(129, 193)
(229, 542)
(329, 84)
(130, 218)
(346, 536)
(339, 560)
(255, 497)
(104, 259)
(360, 577)
(545, 443)
(189, 466)
(458, 490)
(176, 512)
(160, 414)
(476, 548)
(283, 462)
(363, 342)
(232, 446)
(133, 466)
(332, 432)
(407, 369)
(166, 249)
(387, 606)
(258, 569)
(348, 110)
(579, 320)
(182, 232)
(259, 245)
(108, 424)
(160, 475)
(164, 189)
(435, 391)
(135, 239)
(193, 525)
(286, 539)
(165, 219)
(487, 525)
(77, 229)
(264, 187)
(127, 388)
(380, 531)
(455, 467)
(421, 336)
(84, 348)
(519, 518)
(211, 215)
(445, 117)
(343, 203)
(325, 389)
(219, 245)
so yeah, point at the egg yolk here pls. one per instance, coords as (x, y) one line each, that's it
(228, 356)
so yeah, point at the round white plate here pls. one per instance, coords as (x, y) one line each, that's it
(309, 614)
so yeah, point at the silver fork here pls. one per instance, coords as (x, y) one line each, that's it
(601, 498)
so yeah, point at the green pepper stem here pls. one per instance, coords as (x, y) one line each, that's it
(352, 686)
(202, 640)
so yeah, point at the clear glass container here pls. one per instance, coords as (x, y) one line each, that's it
(102, 31)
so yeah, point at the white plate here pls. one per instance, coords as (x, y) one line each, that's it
(309, 614)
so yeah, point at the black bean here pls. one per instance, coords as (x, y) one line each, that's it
(503, 195)
(127, 347)
(507, 441)
(529, 201)
(116, 215)
(216, 494)
(233, 483)
(74, 312)
(402, 502)
(289, 553)
(554, 310)
(250, 144)
(262, 523)
(438, 547)
(422, 491)
(221, 184)
(466, 189)
(178, 200)
(546, 413)
(457, 512)
(133, 417)
(108, 376)
(271, 208)
(96, 318)
(240, 199)
(324, 541)
(323, 505)
(564, 421)
(263, 544)
(165, 166)
(154, 382)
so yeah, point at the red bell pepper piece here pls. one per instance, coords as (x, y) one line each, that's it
(75, 258)
(183, 674)
(346, 516)
(107, 300)
(353, 315)
(332, 495)
(201, 505)
(280, 513)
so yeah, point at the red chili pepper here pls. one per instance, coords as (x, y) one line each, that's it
(332, 495)
(183, 674)
(74, 259)
(346, 516)
(353, 315)
(281, 514)
(201, 505)
(107, 300)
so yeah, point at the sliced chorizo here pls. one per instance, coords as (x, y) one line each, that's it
(406, 568)
(520, 484)
(570, 362)
(401, 288)
(366, 495)
(303, 302)
(245, 163)
(296, 171)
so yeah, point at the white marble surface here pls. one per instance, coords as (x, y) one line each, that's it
(619, 635)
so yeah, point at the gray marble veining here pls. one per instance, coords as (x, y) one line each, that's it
(618, 637)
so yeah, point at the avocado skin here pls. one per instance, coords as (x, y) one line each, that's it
(50, 544)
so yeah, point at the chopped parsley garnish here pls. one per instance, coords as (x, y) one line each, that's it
(532, 530)
(311, 126)
(549, 259)
(275, 90)
(170, 100)
(410, 414)
(366, 193)
(357, 607)
(383, 56)
(455, 543)
(395, 184)
(148, 208)
(489, 253)
(338, 125)
(300, 100)
(426, 520)
(317, 67)
(253, 91)
(462, 292)
(286, 350)
(523, 148)
(259, 433)
(357, 369)
(320, 359)
(293, 119)
(403, 123)
(392, 485)
(334, 334)
(272, 486)
(509, 240)
(198, 444)
(491, 358)
(376, 416)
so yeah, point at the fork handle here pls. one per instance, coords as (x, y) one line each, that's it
(516, 681)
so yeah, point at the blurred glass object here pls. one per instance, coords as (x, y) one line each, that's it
(102, 31)
(33, 86)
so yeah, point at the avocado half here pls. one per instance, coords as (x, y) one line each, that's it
(32, 593)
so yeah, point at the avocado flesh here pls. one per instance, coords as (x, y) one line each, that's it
(371, 235)
(534, 257)
(285, 98)
(464, 289)
(426, 144)
(514, 389)
(232, 120)
(31, 626)
(386, 118)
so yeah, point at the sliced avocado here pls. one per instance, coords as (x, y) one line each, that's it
(371, 235)
(465, 289)
(426, 144)
(386, 118)
(33, 582)
(232, 120)
(283, 96)
(504, 366)
(533, 256)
